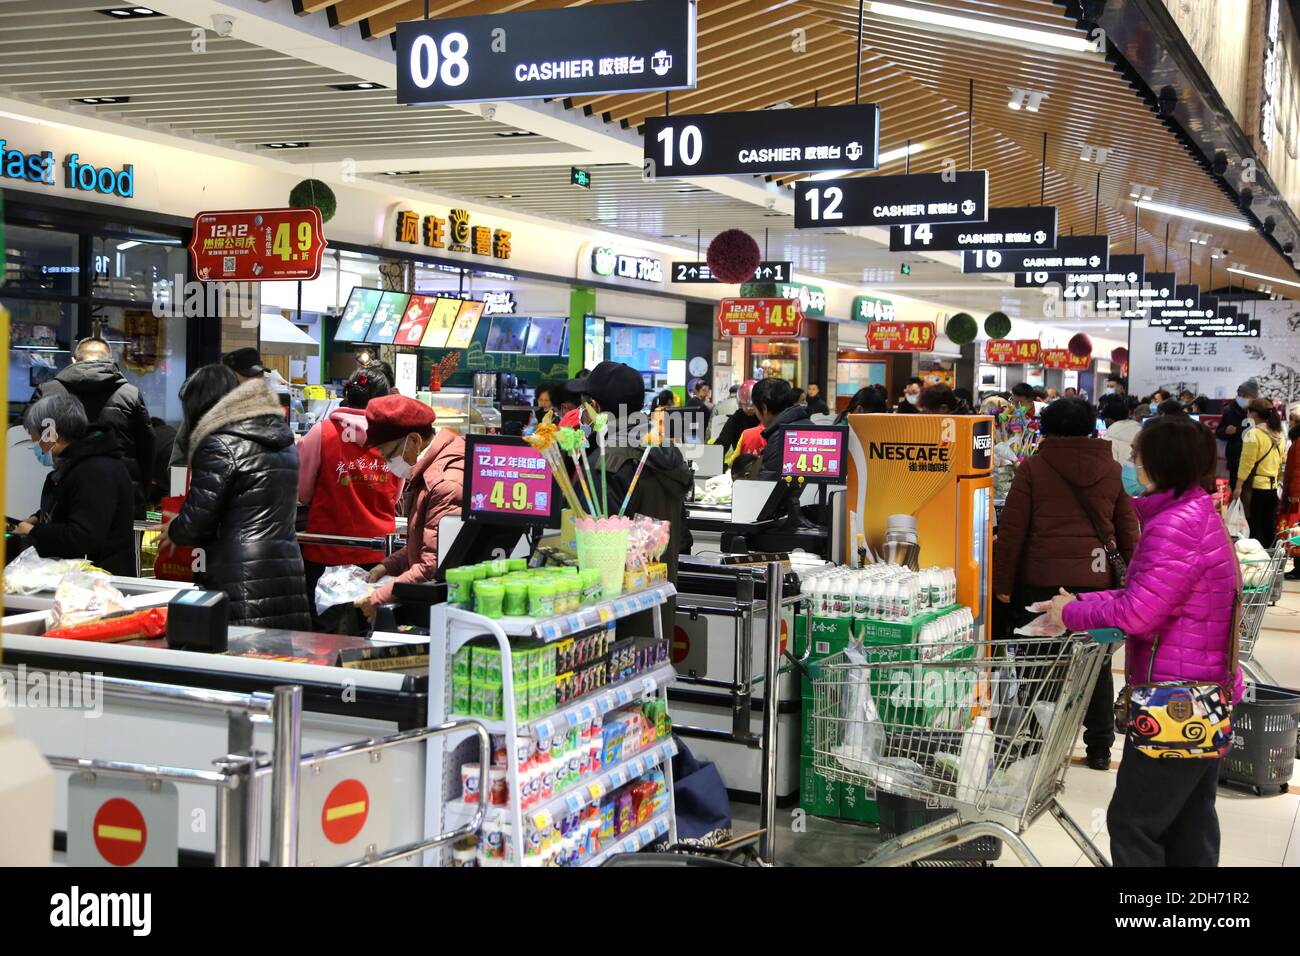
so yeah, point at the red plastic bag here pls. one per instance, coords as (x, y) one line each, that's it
(178, 563)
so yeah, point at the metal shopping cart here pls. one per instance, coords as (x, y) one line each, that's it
(983, 728)
(1261, 588)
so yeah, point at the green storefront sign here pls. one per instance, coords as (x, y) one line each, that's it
(869, 308)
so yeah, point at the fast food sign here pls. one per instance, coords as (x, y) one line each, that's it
(1012, 351)
(900, 336)
(770, 317)
(257, 245)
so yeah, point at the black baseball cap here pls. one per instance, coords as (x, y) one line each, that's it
(246, 362)
(612, 384)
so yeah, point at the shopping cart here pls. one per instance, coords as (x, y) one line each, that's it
(983, 728)
(1262, 586)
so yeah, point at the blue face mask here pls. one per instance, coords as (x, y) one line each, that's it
(1129, 475)
(1242, 401)
(46, 458)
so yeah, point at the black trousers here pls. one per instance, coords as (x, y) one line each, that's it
(1262, 516)
(1162, 812)
(1099, 719)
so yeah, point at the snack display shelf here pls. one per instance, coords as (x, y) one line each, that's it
(639, 839)
(637, 687)
(456, 627)
(579, 795)
(585, 618)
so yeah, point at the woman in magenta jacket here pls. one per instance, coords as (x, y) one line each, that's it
(1181, 587)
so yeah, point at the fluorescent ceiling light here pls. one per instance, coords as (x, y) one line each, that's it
(1003, 32)
(888, 156)
(1192, 214)
(122, 247)
(1264, 278)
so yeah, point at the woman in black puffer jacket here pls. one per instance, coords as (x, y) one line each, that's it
(242, 500)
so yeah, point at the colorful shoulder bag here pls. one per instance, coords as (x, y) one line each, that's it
(1182, 719)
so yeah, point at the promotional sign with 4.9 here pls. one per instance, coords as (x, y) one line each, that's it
(603, 48)
(257, 245)
(759, 317)
(900, 336)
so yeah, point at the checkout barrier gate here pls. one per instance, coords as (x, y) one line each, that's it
(237, 817)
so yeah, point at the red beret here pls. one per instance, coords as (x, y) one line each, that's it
(396, 416)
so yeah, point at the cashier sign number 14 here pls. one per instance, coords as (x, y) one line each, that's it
(518, 496)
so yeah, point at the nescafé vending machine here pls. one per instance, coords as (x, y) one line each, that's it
(936, 471)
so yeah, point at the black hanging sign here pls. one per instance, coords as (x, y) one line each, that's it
(891, 200)
(1186, 298)
(1008, 227)
(699, 272)
(636, 47)
(817, 139)
(1034, 267)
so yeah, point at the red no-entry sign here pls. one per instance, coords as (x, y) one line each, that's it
(120, 832)
(345, 811)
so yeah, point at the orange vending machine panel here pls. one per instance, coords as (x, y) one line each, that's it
(935, 468)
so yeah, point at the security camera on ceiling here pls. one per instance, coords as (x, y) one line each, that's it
(223, 25)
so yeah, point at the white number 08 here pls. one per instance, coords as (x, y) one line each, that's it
(425, 70)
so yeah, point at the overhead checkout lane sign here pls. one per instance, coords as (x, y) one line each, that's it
(1008, 227)
(817, 139)
(699, 272)
(576, 51)
(891, 200)
(1034, 267)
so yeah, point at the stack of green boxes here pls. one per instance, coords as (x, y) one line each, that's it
(824, 797)
(476, 685)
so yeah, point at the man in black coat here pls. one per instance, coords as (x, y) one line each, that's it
(88, 498)
(1232, 423)
(111, 404)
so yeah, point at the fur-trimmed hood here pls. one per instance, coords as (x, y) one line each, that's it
(251, 411)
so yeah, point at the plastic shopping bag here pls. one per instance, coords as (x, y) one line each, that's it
(341, 584)
(29, 573)
(178, 564)
(1040, 626)
(83, 597)
(1236, 521)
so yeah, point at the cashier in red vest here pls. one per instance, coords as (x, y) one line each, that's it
(349, 490)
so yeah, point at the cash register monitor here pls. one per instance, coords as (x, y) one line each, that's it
(814, 454)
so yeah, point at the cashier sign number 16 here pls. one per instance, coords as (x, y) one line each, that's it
(281, 246)
(518, 496)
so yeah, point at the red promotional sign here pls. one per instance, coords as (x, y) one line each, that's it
(257, 245)
(345, 811)
(1064, 358)
(120, 832)
(1012, 351)
(760, 317)
(900, 336)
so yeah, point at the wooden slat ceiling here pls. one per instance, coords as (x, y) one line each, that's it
(920, 78)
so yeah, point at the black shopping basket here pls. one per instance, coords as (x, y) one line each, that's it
(1263, 739)
(898, 815)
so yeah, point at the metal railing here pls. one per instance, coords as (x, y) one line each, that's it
(239, 771)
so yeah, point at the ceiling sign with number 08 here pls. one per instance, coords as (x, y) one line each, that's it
(575, 51)
(816, 139)
(1020, 227)
(891, 200)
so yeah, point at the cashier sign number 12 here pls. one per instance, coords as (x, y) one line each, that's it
(453, 69)
(518, 496)
(281, 245)
(834, 196)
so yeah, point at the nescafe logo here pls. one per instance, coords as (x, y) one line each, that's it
(982, 445)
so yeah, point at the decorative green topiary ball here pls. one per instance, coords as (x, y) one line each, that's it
(997, 325)
(962, 328)
(758, 290)
(313, 192)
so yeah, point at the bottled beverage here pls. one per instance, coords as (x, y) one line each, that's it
(861, 600)
(906, 594)
(892, 602)
(901, 546)
(922, 585)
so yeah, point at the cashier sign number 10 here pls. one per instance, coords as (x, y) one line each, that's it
(281, 245)
(518, 496)
(426, 68)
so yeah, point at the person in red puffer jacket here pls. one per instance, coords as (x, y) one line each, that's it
(1181, 592)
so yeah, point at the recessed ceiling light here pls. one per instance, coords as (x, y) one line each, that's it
(503, 196)
(351, 87)
(514, 132)
(286, 145)
(125, 13)
(400, 172)
(101, 100)
(1193, 214)
(1000, 32)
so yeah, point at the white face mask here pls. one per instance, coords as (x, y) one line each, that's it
(912, 399)
(399, 466)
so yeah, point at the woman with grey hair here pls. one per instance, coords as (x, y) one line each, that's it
(88, 499)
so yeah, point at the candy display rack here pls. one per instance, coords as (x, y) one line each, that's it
(451, 628)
